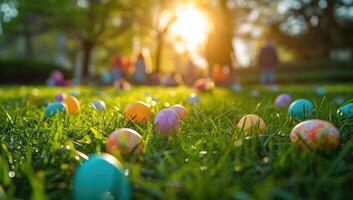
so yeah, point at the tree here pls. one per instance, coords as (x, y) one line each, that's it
(311, 29)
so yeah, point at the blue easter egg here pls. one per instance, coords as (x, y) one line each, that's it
(346, 111)
(300, 109)
(101, 177)
(53, 108)
(98, 105)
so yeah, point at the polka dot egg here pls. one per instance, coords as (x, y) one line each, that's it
(124, 141)
(316, 134)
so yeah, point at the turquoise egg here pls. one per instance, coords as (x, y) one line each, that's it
(101, 177)
(346, 111)
(301, 109)
(54, 108)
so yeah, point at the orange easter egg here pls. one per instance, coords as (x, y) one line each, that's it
(72, 104)
(137, 112)
(124, 141)
(252, 122)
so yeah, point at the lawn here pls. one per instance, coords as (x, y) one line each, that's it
(209, 158)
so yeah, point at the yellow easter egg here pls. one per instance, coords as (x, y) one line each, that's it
(72, 104)
(250, 123)
(137, 112)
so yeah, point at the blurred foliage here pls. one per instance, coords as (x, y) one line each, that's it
(28, 71)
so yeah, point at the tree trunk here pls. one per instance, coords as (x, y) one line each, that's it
(86, 60)
(29, 44)
(159, 52)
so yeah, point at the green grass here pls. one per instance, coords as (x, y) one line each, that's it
(209, 158)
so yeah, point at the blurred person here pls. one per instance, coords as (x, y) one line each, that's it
(220, 75)
(173, 79)
(140, 74)
(268, 60)
(117, 68)
(190, 72)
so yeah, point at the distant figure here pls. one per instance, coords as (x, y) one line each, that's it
(190, 73)
(220, 75)
(140, 75)
(268, 60)
(117, 68)
(172, 80)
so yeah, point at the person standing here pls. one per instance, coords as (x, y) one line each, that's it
(268, 60)
(140, 75)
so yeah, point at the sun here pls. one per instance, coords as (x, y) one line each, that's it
(190, 28)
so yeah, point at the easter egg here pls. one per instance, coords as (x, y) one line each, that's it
(124, 141)
(316, 134)
(166, 122)
(252, 122)
(98, 105)
(75, 93)
(346, 111)
(283, 100)
(320, 90)
(137, 112)
(203, 85)
(54, 108)
(193, 99)
(101, 177)
(60, 96)
(255, 93)
(300, 109)
(180, 111)
(236, 87)
(339, 100)
(72, 104)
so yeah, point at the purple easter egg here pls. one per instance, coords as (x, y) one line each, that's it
(166, 122)
(60, 96)
(283, 100)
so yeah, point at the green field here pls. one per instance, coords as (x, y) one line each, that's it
(209, 158)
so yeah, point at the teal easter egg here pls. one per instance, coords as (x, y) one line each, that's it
(346, 111)
(54, 108)
(101, 177)
(301, 109)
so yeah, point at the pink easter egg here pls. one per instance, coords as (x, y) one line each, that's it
(283, 100)
(180, 110)
(124, 141)
(166, 122)
(316, 134)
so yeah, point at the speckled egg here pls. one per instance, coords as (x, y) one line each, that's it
(252, 122)
(203, 85)
(98, 105)
(137, 112)
(100, 177)
(166, 122)
(193, 99)
(283, 100)
(300, 109)
(346, 111)
(72, 104)
(316, 134)
(180, 110)
(124, 141)
(60, 96)
(54, 108)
